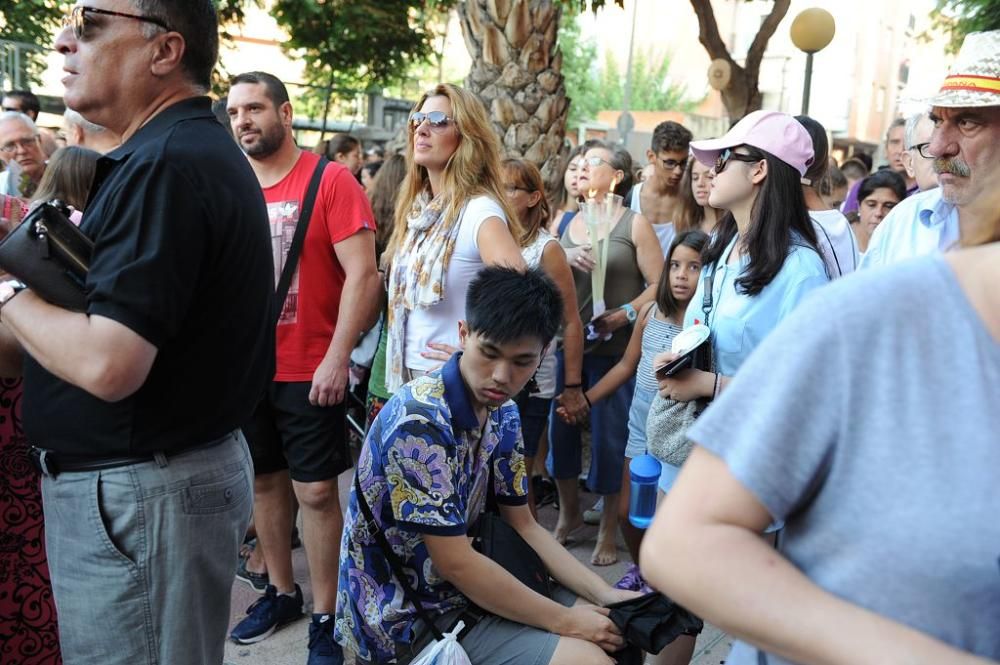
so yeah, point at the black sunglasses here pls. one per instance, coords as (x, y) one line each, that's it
(77, 19)
(728, 154)
(438, 120)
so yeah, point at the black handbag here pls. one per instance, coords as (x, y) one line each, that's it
(50, 255)
(495, 539)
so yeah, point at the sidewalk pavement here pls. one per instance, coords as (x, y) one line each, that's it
(288, 645)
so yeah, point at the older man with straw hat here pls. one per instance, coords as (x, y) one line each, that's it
(965, 147)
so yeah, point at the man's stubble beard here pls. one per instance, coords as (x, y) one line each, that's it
(268, 143)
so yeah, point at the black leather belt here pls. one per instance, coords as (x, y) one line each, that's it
(51, 463)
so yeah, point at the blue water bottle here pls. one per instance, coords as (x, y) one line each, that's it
(645, 473)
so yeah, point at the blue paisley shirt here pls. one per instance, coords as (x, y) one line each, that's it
(421, 471)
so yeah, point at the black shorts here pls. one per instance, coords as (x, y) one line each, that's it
(287, 432)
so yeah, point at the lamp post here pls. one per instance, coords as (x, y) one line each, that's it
(812, 30)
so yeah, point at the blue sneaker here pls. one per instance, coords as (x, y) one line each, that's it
(267, 614)
(323, 650)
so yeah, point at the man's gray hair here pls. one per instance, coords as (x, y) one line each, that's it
(74, 118)
(6, 116)
(911, 126)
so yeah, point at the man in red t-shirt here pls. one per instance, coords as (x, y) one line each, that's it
(297, 436)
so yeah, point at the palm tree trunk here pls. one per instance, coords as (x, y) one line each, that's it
(516, 72)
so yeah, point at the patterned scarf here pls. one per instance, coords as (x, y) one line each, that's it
(417, 277)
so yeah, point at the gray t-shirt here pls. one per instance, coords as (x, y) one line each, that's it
(875, 435)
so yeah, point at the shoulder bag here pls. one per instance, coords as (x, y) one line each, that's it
(50, 255)
(668, 421)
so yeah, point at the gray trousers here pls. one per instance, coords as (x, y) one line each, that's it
(142, 557)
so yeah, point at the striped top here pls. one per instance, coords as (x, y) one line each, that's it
(656, 338)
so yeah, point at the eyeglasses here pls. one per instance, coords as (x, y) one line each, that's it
(723, 159)
(597, 161)
(77, 19)
(438, 120)
(923, 150)
(24, 144)
(671, 164)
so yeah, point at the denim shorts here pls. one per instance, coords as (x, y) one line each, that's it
(534, 416)
(641, 399)
(668, 474)
(608, 431)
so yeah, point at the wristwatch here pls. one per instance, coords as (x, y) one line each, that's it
(10, 288)
(630, 312)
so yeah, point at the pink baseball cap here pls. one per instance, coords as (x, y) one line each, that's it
(771, 131)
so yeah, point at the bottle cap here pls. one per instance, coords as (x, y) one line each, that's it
(644, 468)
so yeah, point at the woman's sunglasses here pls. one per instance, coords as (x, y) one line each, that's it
(728, 154)
(438, 120)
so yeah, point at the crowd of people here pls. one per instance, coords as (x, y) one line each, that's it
(822, 472)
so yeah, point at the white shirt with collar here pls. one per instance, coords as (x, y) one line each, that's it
(921, 224)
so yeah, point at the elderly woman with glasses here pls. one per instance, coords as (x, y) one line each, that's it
(634, 260)
(452, 218)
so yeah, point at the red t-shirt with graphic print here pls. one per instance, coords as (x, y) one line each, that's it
(309, 316)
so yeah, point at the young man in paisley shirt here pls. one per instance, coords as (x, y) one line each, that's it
(424, 471)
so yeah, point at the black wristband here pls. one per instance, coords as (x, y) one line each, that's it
(568, 386)
(587, 400)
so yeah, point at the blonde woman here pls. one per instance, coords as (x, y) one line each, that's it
(452, 218)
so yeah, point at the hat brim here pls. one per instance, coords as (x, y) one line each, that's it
(964, 98)
(708, 150)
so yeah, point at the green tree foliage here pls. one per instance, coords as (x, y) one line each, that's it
(593, 86)
(652, 88)
(960, 17)
(579, 71)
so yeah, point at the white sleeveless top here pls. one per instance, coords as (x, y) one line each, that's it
(545, 377)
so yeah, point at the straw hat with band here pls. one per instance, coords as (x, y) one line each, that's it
(974, 79)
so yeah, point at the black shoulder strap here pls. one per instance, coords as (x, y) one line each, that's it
(707, 302)
(395, 564)
(292, 260)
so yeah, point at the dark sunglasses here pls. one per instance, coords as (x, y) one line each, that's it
(438, 120)
(671, 164)
(77, 19)
(728, 154)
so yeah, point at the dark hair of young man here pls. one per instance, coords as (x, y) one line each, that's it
(821, 150)
(665, 301)
(779, 214)
(886, 178)
(275, 89)
(504, 305)
(854, 168)
(198, 23)
(29, 102)
(670, 136)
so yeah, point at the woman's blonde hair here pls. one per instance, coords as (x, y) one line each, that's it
(472, 170)
(68, 176)
(526, 176)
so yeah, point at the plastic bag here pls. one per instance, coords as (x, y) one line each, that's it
(446, 651)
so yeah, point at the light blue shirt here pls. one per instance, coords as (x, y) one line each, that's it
(740, 322)
(919, 225)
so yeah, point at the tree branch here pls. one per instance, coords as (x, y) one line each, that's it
(756, 53)
(708, 30)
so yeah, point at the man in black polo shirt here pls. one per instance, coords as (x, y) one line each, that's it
(136, 402)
